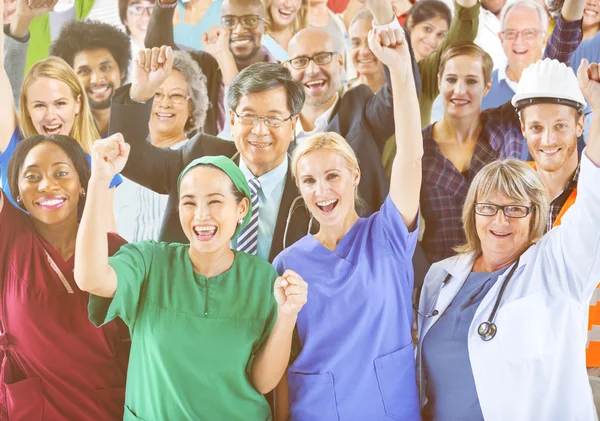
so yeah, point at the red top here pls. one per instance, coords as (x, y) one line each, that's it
(55, 365)
(337, 6)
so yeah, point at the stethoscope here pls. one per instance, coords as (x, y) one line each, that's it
(291, 211)
(488, 329)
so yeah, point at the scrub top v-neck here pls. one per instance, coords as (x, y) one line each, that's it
(356, 360)
(193, 338)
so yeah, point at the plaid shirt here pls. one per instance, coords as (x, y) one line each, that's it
(444, 188)
(559, 201)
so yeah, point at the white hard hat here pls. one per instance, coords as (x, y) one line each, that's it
(548, 81)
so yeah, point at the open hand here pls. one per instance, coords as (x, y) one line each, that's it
(291, 292)
(391, 48)
(589, 83)
(34, 8)
(152, 67)
(109, 156)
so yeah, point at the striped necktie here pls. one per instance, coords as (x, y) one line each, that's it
(248, 238)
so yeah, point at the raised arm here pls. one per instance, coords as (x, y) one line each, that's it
(149, 166)
(391, 48)
(160, 27)
(379, 113)
(92, 272)
(216, 42)
(567, 34)
(589, 83)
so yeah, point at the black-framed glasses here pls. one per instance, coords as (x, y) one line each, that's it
(510, 211)
(139, 9)
(252, 120)
(526, 34)
(247, 21)
(320, 59)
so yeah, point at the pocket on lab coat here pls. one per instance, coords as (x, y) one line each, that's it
(25, 400)
(397, 383)
(524, 329)
(312, 397)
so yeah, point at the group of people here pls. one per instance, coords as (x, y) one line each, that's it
(239, 210)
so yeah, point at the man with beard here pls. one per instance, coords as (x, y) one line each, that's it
(100, 54)
(364, 119)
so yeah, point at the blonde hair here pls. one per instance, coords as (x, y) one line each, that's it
(84, 129)
(299, 23)
(332, 142)
(514, 179)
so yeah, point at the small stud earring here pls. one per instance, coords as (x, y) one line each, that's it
(241, 221)
(82, 194)
(19, 201)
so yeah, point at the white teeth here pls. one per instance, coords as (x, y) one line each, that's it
(51, 202)
(286, 13)
(165, 115)
(366, 61)
(100, 90)
(459, 101)
(550, 150)
(315, 82)
(205, 228)
(500, 234)
(590, 13)
(327, 203)
(53, 127)
(260, 145)
(241, 42)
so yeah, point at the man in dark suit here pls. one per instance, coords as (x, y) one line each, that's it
(265, 103)
(365, 120)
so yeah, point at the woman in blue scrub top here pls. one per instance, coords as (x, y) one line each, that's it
(356, 354)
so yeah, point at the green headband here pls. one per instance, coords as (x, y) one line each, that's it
(235, 174)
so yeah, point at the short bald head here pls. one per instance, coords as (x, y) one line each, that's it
(321, 77)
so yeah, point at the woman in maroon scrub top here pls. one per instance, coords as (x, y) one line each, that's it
(55, 365)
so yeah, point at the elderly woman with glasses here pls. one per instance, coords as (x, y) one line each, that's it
(178, 112)
(502, 324)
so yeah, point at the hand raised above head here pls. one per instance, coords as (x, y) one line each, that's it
(109, 157)
(589, 83)
(34, 8)
(291, 293)
(152, 67)
(216, 41)
(391, 48)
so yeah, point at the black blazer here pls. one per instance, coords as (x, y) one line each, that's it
(158, 169)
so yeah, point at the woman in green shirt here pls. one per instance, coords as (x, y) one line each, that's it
(211, 328)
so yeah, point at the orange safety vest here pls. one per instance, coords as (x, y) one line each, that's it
(592, 352)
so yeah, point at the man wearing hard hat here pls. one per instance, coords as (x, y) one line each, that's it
(550, 105)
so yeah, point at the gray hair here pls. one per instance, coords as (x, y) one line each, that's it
(361, 14)
(198, 91)
(525, 3)
(514, 179)
(262, 77)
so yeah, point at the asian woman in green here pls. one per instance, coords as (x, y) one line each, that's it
(211, 328)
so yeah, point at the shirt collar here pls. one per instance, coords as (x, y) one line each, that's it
(269, 58)
(503, 77)
(270, 180)
(321, 121)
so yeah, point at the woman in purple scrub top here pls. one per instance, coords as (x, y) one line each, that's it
(356, 357)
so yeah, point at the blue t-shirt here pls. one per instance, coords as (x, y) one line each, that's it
(7, 154)
(450, 385)
(356, 361)
(189, 37)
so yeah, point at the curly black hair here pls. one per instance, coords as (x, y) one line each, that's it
(77, 36)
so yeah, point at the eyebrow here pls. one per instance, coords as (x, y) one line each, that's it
(43, 102)
(452, 74)
(54, 165)
(215, 194)
(251, 110)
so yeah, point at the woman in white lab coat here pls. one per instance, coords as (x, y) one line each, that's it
(502, 325)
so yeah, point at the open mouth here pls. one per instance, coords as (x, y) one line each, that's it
(550, 152)
(366, 61)
(164, 116)
(316, 85)
(590, 13)
(240, 41)
(286, 14)
(459, 102)
(52, 129)
(51, 202)
(205, 232)
(327, 206)
(500, 234)
(100, 90)
(520, 52)
(260, 145)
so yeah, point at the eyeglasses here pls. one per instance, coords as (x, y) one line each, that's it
(252, 120)
(138, 9)
(320, 59)
(248, 21)
(175, 99)
(526, 34)
(510, 211)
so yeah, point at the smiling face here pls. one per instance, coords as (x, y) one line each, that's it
(363, 58)
(138, 23)
(208, 209)
(170, 109)
(551, 131)
(462, 86)
(245, 44)
(49, 186)
(591, 15)
(327, 184)
(263, 148)
(502, 237)
(51, 106)
(99, 74)
(320, 83)
(284, 12)
(522, 52)
(427, 36)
